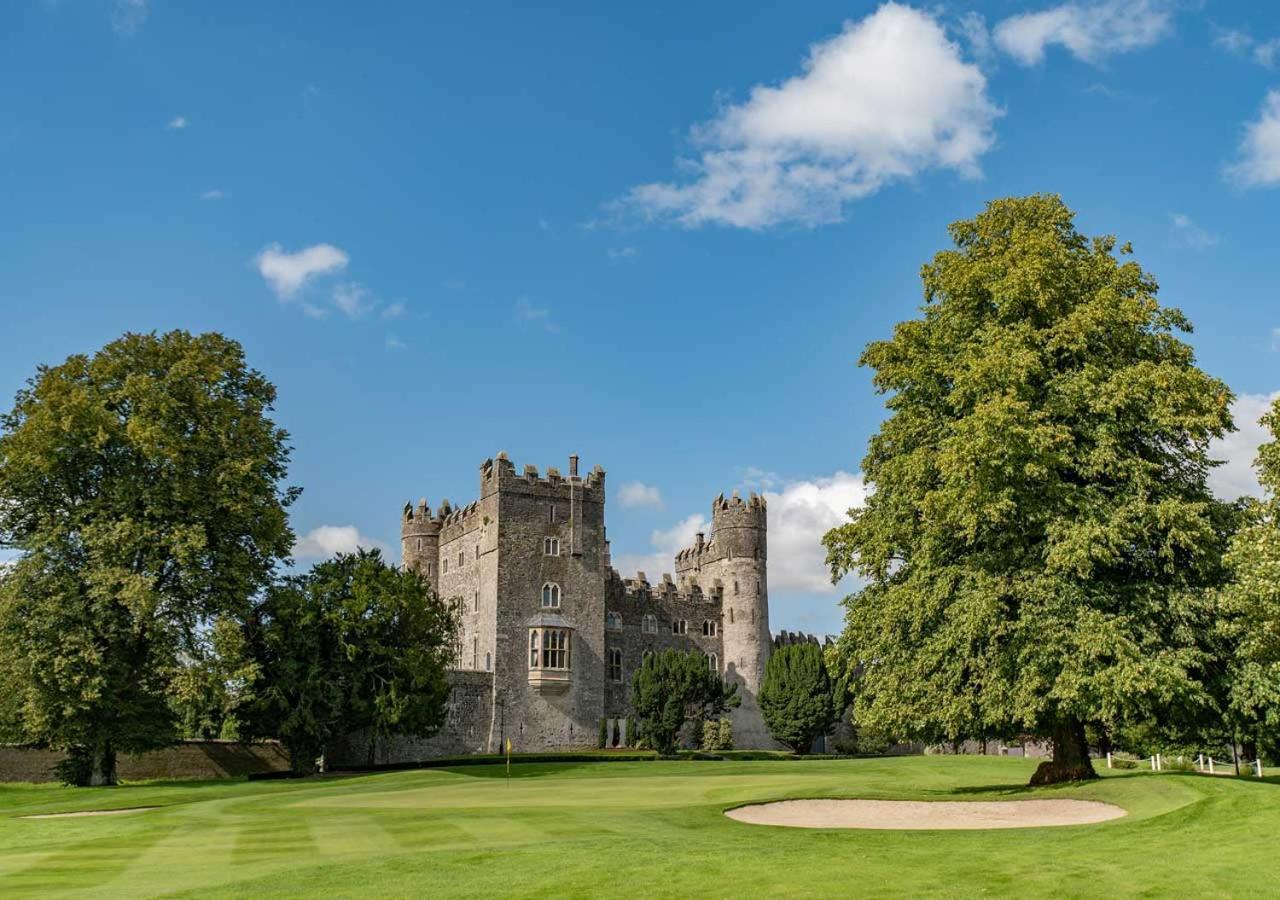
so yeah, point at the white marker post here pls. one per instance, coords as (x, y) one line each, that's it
(1108, 759)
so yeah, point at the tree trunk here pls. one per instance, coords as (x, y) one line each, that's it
(1070, 760)
(1249, 748)
(103, 770)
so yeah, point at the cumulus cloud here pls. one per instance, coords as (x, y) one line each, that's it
(1089, 31)
(1259, 162)
(1236, 477)
(1184, 232)
(288, 272)
(213, 194)
(177, 123)
(800, 513)
(886, 99)
(1241, 43)
(353, 299)
(634, 494)
(328, 540)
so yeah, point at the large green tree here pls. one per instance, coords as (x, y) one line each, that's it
(353, 645)
(1251, 605)
(141, 486)
(797, 698)
(672, 689)
(1039, 540)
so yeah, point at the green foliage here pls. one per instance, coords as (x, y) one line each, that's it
(672, 689)
(352, 645)
(717, 735)
(141, 486)
(797, 699)
(602, 740)
(210, 688)
(1250, 604)
(1040, 541)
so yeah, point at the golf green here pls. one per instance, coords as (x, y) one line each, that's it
(594, 829)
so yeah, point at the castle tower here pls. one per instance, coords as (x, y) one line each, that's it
(736, 555)
(420, 539)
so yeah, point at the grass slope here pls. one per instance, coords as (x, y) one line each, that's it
(632, 829)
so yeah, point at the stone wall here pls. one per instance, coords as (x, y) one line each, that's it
(190, 759)
(466, 730)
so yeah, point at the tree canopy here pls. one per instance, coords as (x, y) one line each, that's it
(797, 697)
(1039, 538)
(353, 645)
(141, 486)
(672, 689)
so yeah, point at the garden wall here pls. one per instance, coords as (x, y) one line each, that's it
(190, 759)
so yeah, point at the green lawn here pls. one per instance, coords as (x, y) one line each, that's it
(633, 829)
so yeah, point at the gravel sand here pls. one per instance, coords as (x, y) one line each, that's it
(917, 814)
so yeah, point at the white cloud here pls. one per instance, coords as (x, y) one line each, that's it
(288, 272)
(177, 123)
(622, 254)
(353, 299)
(394, 310)
(1275, 339)
(1267, 53)
(886, 99)
(127, 16)
(1184, 232)
(1091, 32)
(328, 540)
(1264, 53)
(1236, 477)
(527, 313)
(213, 194)
(799, 515)
(394, 343)
(635, 494)
(1259, 163)
(665, 543)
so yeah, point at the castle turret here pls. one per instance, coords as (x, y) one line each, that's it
(420, 538)
(738, 552)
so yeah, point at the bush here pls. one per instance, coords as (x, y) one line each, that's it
(717, 735)
(796, 698)
(603, 740)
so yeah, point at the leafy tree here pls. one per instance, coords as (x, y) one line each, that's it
(353, 645)
(797, 699)
(1040, 538)
(1251, 606)
(210, 689)
(671, 689)
(141, 485)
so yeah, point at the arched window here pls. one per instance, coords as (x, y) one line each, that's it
(431, 568)
(488, 662)
(649, 624)
(550, 546)
(533, 649)
(615, 664)
(708, 628)
(613, 621)
(444, 566)
(419, 545)
(679, 626)
(551, 596)
(713, 663)
(462, 559)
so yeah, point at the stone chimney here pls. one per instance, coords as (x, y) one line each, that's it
(573, 465)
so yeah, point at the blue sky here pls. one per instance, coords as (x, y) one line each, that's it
(656, 237)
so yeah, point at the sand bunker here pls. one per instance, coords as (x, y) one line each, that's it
(91, 812)
(916, 814)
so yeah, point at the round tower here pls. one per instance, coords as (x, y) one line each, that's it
(420, 539)
(739, 548)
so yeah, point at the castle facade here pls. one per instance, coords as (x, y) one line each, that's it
(551, 634)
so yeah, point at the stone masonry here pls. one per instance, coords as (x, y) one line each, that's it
(555, 634)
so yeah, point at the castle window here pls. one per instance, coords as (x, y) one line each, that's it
(431, 568)
(477, 551)
(475, 653)
(550, 546)
(475, 602)
(444, 566)
(553, 513)
(679, 626)
(713, 662)
(488, 662)
(708, 628)
(613, 621)
(419, 545)
(735, 588)
(731, 615)
(551, 596)
(462, 559)
(649, 625)
(549, 648)
(615, 664)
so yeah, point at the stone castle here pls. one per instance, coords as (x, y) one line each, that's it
(551, 634)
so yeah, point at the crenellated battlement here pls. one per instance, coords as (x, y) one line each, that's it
(738, 529)
(499, 473)
(668, 590)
